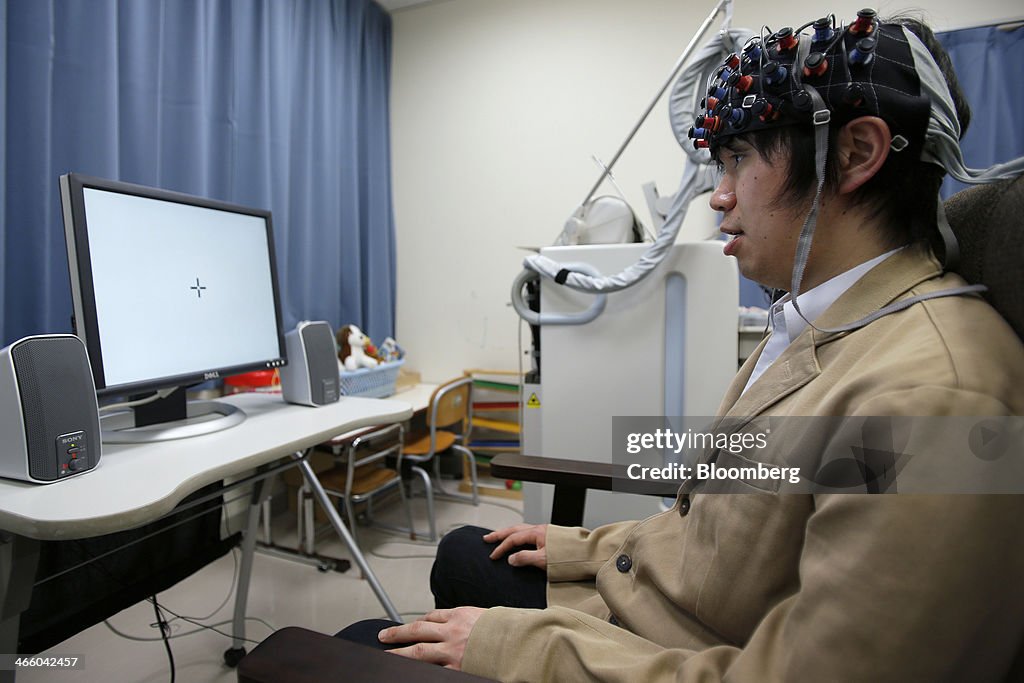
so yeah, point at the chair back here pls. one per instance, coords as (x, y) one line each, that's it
(375, 447)
(449, 404)
(987, 221)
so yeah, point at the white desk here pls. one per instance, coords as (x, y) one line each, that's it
(139, 483)
(416, 395)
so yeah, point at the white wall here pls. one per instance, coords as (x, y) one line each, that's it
(497, 107)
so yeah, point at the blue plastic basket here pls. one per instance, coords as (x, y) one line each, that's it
(378, 382)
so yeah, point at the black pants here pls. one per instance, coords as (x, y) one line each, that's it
(464, 575)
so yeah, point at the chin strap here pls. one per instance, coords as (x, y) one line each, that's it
(950, 247)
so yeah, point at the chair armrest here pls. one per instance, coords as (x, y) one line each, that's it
(581, 473)
(571, 478)
(297, 655)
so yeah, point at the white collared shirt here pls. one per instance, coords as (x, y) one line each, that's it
(787, 323)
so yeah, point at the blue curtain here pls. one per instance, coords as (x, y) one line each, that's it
(989, 62)
(278, 104)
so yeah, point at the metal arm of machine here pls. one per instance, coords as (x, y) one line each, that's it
(725, 5)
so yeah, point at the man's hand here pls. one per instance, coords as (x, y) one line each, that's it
(439, 637)
(515, 536)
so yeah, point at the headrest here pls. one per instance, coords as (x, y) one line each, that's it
(987, 223)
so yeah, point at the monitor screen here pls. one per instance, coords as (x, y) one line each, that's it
(169, 289)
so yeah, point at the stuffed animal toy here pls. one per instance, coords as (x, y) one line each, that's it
(352, 348)
(390, 351)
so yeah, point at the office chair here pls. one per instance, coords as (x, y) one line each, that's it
(987, 222)
(447, 410)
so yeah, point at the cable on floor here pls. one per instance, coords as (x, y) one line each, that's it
(165, 629)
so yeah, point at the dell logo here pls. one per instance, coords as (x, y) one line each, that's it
(211, 375)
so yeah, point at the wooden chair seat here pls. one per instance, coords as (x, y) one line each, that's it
(367, 479)
(419, 443)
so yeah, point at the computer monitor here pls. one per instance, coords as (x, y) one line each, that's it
(169, 290)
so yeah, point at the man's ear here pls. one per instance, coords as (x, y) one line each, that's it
(862, 148)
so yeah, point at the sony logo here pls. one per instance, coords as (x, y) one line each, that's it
(211, 375)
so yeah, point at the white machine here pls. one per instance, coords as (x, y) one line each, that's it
(630, 329)
(666, 346)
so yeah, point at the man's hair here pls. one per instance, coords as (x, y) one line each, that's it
(903, 193)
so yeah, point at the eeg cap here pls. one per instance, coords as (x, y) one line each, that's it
(864, 69)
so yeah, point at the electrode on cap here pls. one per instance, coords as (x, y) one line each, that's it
(865, 22)
(853, 95)
(802, 100)
(823, 30)
(764, 109)
(815, 64)
(698, 133)
(786, 41)
(738, 118)
(863, 52)
(774, 73)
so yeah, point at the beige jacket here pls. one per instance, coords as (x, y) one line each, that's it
(767, 587)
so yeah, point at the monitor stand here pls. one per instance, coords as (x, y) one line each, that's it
(168, 418)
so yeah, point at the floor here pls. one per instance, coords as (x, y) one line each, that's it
(282, 593)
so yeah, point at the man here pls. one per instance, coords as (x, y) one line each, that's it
(828, 146)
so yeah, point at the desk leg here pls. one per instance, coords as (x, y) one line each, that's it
(343, 532)
(19, 558)
(237, 651)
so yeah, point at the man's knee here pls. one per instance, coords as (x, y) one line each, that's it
(458, 544)
(457, 549)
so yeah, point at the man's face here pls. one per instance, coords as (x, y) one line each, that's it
(763, 230)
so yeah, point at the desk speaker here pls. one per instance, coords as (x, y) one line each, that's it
(311, 376)
(48, 411)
